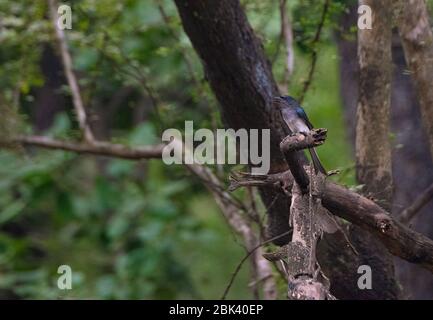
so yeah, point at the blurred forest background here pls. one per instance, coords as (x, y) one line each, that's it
(141, 229)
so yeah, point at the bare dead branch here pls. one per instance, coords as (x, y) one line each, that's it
(96, 148)
(290, 145)
(244, 179)
(407, 214)
(300, 141)
(249, 253)
(70, 75)
(397, 238)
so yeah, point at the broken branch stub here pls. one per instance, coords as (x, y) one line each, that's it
(300, 141)
(295, 142)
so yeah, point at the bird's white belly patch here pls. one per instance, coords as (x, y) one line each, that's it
(298, 125)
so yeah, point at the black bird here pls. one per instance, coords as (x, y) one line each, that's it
(297, 121)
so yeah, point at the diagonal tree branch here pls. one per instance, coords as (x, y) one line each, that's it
(407, 214)
(96, 148)
(249, 253)
(70, 75)
(237, 221)
(314, 43)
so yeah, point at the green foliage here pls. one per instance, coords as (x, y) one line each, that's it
(130, 229)
(22, 27)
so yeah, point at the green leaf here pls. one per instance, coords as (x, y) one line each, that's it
(143, 134)
(12, 210)
(61, 126)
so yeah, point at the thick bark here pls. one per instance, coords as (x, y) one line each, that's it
(417, 37)
(372, 140)
(373, 148)
(347, 264)
(241, 79)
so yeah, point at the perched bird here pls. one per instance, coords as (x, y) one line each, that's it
(297, 121)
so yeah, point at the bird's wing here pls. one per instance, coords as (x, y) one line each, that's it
(300, 111)
(286, 117)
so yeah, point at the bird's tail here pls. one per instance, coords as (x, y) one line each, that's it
(316, 161)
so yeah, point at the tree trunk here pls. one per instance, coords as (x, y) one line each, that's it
(240, 76)
(373, 148)
(417, 38)
(372, 140)
(411, 162)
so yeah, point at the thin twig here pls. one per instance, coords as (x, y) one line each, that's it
(407, 214)
(253, 211)
(136, 73)
(238, 222)
(316, 39)
(186, 58)
(70, 75)
(96, 148)
(125, 152)
(198, 82)
(249, 253)
(278, 49)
